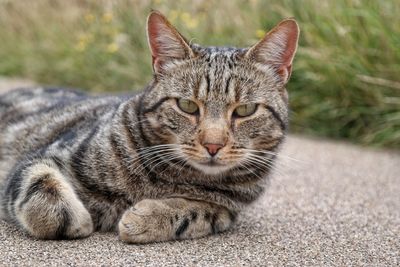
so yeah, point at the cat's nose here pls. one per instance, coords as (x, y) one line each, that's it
(213, 148)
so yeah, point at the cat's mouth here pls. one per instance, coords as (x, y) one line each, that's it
(211, 166)
(212, 162)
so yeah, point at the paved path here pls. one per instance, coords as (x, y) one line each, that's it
(335, 205)
(8, 84)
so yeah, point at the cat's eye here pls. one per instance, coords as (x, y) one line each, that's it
(188, 106)
(245, 110)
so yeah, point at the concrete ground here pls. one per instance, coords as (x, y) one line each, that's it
(328, 204)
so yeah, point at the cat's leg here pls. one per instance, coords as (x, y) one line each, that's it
(44, 204)
(173, 218)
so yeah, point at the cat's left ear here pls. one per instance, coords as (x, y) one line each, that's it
(277, 48)
(166, 43)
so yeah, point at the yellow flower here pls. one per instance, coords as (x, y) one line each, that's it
(185, 17)
(107, 17)
(89, 18)
(191, 22)
(83, 40)
(260, 33)
(85, 37)
(80, 46)
(112, 48)
(110, 31)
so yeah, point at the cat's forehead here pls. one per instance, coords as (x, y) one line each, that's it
(218, 76)
(226, 77)
(217, 52)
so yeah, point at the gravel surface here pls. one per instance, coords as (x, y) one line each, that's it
(335, 205)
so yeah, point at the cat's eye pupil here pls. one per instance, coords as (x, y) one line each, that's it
(188, 106)
(245, 110)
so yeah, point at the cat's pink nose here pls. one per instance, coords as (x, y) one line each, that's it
(213, 148)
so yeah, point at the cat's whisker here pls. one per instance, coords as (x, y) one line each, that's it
(279, 155)
(149, 158)
(163, 160)
(265, 164)
(247, 168)
(157, 146)
(181, 163)
(150, 161)
(282, 163)
(184, 164)
(149, 153)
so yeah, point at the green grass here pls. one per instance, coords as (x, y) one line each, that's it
(346, 80)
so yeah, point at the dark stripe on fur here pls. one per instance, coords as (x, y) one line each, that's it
(277, 117)
(77, 164)
(14, 182)
(61, 130)
(127, 124)
(238, 92)
(141, 124)
(193, 215)
(227, 85)
(12, 116)
(208, 83)
(156, 105)
(122, 157)
(182, 228)
(232, 215)
(213, 223)
(64, 220)
(36, 187)
(196, 88)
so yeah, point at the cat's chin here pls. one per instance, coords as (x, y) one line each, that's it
(211, 168)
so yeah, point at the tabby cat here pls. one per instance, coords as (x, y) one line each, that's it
(177, 161)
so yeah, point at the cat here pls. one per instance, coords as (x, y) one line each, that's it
(179, 160)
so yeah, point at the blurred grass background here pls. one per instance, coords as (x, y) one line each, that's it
(346, 80)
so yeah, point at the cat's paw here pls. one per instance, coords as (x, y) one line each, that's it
(81, 226)
(66, 219)
(145, 222)
(171, 219)
(48, 208)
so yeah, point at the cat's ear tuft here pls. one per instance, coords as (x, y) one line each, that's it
(278, 48)
(166, 43)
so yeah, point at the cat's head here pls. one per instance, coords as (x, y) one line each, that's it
(217, 108)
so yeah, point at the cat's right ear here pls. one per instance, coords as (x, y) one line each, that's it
(166, 43)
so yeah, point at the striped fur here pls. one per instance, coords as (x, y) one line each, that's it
(71, 163)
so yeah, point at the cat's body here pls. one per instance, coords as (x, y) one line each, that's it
(62, 127)
(71, 164)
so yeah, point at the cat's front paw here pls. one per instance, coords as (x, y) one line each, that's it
(145, 222)
(170, 219)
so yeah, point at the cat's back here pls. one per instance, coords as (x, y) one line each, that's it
(34, 118)
(19, 103)
(48, 105)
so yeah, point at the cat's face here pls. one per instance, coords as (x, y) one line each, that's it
(217, 109)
